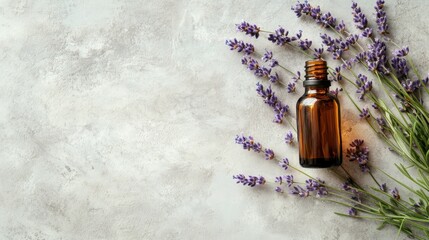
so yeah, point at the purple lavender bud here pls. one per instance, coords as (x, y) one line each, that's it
(359, 154)
(365, 113)
(336, 91)
(347, 64)
(337, 54)
(367, 32)
(328, 20)
(401, 52)
(376, 57)
(289, 138)
(346, 186)
(289, 180)
(284, 163)
(269, 154)
(381, 122)
(374, 106)
(301, 8)
(341, 27)
(244, 61)
(352, 212)
(279, 189)
(322, 191)
(395, 194)
(400, 66)
(411, 86)
(279, 180)
(249, 29)
(274, 78)
(312, 185)
(240, 46)
(298, 76)
(304, 44)
(248, 143)
(273, 63)
(280, 37)
(266, 71)
(358, 17)
(291, 87)
(337, 74)
(381, 18)
(249, 181)
(364, 86)
(327, 40)
(383, 187)
(318, 53)
(298, 190)
(268, 55)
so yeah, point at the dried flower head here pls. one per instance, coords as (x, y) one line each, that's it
(249, 29)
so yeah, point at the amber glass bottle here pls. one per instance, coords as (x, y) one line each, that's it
(318, 120)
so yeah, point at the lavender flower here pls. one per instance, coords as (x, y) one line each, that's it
(411, 86)
(274, 78)
(364, 113)
(358, 17)
(304, 44)
(249, 181)
(279, 189)
(291, 88)
(341, 27)
(280, 110)
(268, 55)
(381, 18)
(284, 163)
(289, 138)
(359, 153)
(288, 179)
(280, 37)
(269, 154)
(426, 80)
(298, 76)
(298, 190)
(279, 180)
(312, 185)
(346, 186)
(400, 66)
(376, 57)
(395, 194)
(240, 46)
(352, 212)
(318, 52)
(367, 32)
(326, 19)
(382, 123)
(401, 52)
(336, 91)
(248, 143)
(337, 74)
(249, 29)
(364, 86)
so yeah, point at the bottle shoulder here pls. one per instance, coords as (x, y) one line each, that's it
(311, 99)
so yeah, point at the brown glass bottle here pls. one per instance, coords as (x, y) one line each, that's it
(318, 120)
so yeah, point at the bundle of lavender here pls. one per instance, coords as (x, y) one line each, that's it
(404, 128)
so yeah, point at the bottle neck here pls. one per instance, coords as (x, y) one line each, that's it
(316, 90)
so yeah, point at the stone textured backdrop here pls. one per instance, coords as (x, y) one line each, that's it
(118, 121)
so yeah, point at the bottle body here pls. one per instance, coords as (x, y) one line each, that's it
(318, 120)
(319, 129)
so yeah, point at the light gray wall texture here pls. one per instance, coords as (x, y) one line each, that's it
(118, 121)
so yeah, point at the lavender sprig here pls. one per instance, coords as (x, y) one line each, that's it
(364, 86)
(358, 17)
(271, 99)
(235, 44)
(381, 17)
(249, 29)
(250, 181)
(359, 153)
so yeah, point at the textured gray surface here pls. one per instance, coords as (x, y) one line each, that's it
(118, 118)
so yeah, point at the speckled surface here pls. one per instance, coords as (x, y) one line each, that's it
(118, 118)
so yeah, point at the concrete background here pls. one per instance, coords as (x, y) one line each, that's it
(118, 119)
